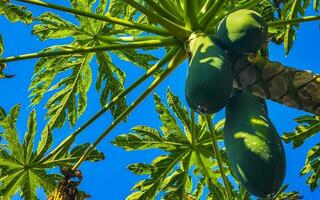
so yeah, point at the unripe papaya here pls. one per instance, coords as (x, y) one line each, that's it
(243, 31)
(209, 81)
(253, 145)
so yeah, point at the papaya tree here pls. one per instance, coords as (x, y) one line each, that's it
(226, 44)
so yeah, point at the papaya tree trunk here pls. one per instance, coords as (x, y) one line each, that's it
(272, 80)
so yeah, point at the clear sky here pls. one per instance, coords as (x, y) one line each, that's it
(109, 179)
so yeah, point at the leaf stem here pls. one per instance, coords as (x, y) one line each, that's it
(175, 61)
(171, 8)
(164, 12)
(108, 39)
(204, 8)
(293, 21)
(169, 41)
(178, 31)
(143, 27)
(193, 128)
(190, 16)
(218, 156)
(114, 101)
(210, 14)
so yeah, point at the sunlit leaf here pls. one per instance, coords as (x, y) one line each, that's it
(169, 122)
(68, 78)
(170, 173)
(284, 195)
(307, 127)
(53, 26)
(15, 13)
(291, 9)
(312, 167)
(139, 59)
(180, 111)
(25, 170)
(114, 79)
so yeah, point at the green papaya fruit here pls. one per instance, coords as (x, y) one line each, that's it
(253, 145)
(243, 31)
(209, 81)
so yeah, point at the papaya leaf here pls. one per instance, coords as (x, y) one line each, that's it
(24, 170)
(284, 195)
(308, 126)
(312, 167)
(114, 78)
(197, 193)
(15, 13)
(241, 194)
(180, 111)
(71, 96)
(160, 168)
(167, 119)
(291, 9)
(120, 9)
(53, 26)
(69, 93)
(170, 173)
(139, 59)
(144, 137)
(216, 191)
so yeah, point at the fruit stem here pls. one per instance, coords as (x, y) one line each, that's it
(143, 27)
(218, 156)
(168, 41)
(176, 60)
(113, 102)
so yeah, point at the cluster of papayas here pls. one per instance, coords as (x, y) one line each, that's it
(252, 143)
(210, 81)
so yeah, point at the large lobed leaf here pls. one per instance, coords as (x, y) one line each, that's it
(23, 169)
(69, 93)
(170, 173)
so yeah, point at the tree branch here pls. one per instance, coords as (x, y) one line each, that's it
(272, 80)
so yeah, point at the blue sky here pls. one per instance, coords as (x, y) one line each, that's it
(109, 179)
